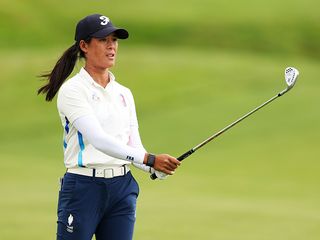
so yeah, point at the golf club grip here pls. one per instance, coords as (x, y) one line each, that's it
(185, 155)
(153, 176)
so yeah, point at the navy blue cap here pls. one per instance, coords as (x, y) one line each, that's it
(99, 26)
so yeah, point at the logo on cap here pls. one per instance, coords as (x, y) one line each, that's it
(105, 20)
(98, 26)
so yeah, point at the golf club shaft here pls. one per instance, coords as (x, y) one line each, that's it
(191, 151)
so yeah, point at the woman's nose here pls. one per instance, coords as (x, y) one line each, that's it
(110, 44)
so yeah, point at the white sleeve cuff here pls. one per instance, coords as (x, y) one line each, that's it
(142, 167)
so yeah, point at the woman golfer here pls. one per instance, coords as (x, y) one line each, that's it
(101, 138)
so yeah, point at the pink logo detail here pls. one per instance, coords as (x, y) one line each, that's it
(123, 100)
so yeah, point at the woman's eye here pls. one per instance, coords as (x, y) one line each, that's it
(113, 39)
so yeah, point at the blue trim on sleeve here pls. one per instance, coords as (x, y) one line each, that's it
(80, 139)
(67, 125)
(65, 144)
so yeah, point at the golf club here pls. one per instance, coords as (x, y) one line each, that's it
(291, 74)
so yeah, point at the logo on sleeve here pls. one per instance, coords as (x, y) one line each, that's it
(130, 158)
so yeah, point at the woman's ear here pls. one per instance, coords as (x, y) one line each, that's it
(83, 46)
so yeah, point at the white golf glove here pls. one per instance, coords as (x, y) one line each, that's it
(160, 175)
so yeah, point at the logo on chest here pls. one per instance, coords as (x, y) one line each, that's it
(95, 97)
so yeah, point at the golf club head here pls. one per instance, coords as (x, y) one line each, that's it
(291, 75)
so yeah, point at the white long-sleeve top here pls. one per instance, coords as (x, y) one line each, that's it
(100, 124)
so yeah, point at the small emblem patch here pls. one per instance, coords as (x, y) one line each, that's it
(105, 20)
(130, 158)
(70, 221)
(95, 97)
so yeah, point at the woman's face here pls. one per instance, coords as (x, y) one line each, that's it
(100, 52)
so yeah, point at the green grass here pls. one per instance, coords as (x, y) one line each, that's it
(277, 27)
(194, 67)
(258, 181)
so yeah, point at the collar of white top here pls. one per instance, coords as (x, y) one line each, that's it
(86, 76)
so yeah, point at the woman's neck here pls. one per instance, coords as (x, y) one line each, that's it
(100, 76)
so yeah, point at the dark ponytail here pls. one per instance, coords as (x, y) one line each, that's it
(60, 72)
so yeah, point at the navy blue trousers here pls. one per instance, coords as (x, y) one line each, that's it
(102, 207)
